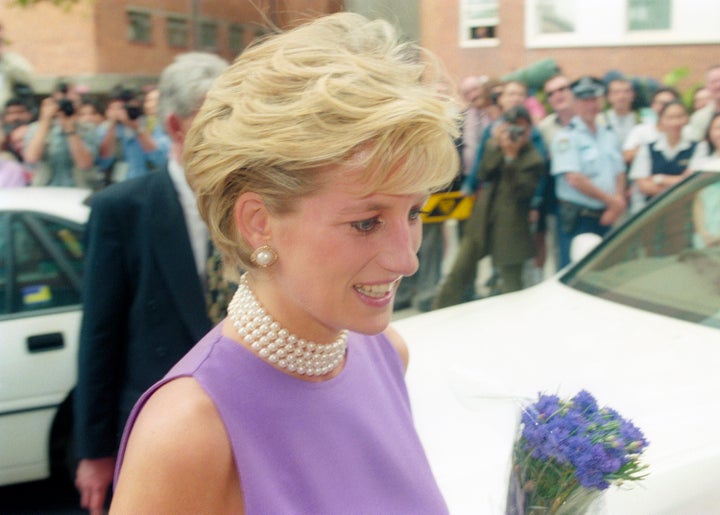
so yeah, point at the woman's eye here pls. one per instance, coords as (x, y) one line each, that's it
(366, 226)
(415, 213)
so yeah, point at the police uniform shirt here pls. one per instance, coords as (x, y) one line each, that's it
(597, 156)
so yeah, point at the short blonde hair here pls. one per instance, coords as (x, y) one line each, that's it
(339, 89)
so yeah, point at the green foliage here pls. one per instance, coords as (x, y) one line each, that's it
(674, 76)
(672, 79)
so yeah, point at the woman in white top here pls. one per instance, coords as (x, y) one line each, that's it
(707, 154)
(665, 162)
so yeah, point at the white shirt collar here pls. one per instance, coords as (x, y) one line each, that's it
(662, 145)
(197, 230)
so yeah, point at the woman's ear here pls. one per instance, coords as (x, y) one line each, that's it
(252, 219)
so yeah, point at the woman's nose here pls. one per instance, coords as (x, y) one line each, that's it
(400, 254)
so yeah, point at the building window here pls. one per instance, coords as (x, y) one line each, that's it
(208, 35)
(236, 34)
(178, 32)
(649, 14)
(577, 23)
(555, 17)
(139, 27)
(479, 22)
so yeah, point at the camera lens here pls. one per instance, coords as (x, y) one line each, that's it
(134, 112)
(66, 106)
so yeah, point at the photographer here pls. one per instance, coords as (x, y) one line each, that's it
(127, 149)
(510, 171)
(59, 149)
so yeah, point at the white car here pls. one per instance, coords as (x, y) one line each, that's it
(636, 322)
(41, 268)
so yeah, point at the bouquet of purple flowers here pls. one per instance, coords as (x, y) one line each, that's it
(568, 452)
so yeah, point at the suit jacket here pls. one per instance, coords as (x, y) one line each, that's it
(143, 302)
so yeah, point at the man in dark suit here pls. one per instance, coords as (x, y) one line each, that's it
(144, 292)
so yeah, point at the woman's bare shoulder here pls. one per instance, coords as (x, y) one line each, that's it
(399, 344)
(179, 446)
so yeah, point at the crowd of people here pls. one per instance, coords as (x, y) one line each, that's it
(71, 140)
(599, 154)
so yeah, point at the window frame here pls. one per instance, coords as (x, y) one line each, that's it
(36, 225)
(176, 24)
(467, 21)
(610, 26)
(202, 31)
(145, 34)
(236, 30)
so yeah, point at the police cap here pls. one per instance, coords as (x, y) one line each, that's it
(587, 87)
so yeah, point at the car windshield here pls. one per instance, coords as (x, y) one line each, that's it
(666, 259)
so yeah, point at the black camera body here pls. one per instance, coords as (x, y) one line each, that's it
(66, 106)
(132, 106)
(515, 132)
(133, 111)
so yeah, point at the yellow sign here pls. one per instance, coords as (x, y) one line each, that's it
(443, 206)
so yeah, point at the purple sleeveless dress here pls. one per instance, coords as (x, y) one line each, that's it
(345, 445)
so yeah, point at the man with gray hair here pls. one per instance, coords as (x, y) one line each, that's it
(700, 119)
(145, 292)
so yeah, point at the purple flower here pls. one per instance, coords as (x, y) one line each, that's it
(633, 437)
(577, 448)
(566, 443)
(585, 403)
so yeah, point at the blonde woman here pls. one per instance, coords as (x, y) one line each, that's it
(311, 159)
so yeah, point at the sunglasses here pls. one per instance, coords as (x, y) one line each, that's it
(553, 91)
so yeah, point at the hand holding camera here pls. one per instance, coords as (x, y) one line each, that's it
(511, 138)
(65, 105)
(514, 131)
(125, 108)
(48, 109)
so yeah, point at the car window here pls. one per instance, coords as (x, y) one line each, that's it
(666, 259)
(41, 263)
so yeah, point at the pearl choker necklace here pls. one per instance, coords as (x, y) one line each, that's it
(276, 345)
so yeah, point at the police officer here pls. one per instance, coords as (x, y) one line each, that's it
(588, 170)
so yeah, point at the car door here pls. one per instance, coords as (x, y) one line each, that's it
(41, 260)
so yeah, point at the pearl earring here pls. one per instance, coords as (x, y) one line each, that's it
(263, 256)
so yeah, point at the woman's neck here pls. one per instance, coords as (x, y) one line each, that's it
(673, 138)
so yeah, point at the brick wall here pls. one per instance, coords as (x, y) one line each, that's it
(88, 42)
(439, 33)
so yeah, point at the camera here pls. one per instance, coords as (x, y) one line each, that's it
(131, 104)
(65, 105)
(515, 132)
(133, 111)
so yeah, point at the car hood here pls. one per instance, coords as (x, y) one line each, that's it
(472, 366)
